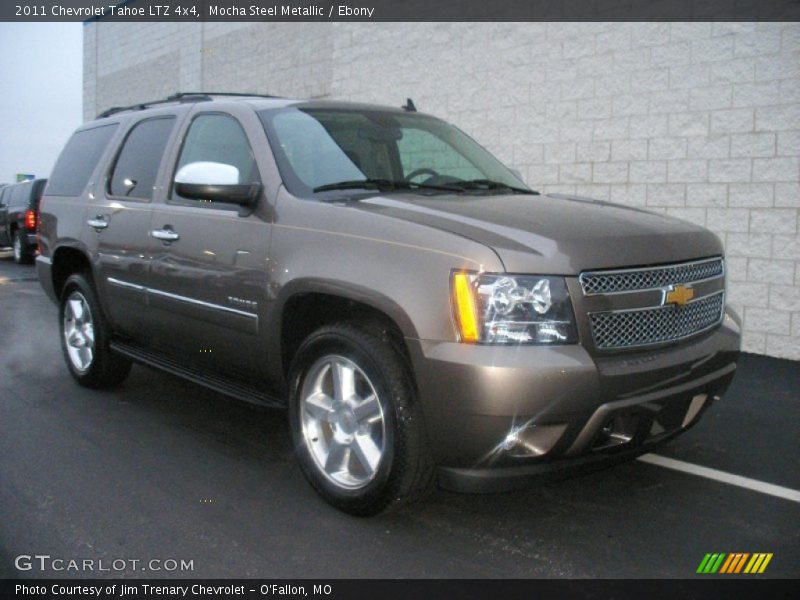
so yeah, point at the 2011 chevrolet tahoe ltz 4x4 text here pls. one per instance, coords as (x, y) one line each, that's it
(423, 315)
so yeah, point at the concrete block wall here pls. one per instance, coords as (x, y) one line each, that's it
(697, 120)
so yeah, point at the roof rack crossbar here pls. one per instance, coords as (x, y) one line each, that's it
(180, 97)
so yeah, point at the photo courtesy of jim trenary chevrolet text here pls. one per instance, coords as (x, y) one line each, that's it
(399, 298)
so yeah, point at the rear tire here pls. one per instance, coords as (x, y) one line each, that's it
(362, 446)
(23, 253)
(85, 337)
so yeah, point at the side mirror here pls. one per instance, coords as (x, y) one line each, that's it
(217, 182)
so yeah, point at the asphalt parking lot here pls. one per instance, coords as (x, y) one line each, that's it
(164, 469)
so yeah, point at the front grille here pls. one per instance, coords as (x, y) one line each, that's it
(628, 329)
(628, 280)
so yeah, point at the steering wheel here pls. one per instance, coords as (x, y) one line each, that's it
(423, 171)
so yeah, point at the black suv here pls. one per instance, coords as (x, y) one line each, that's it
(19, 215)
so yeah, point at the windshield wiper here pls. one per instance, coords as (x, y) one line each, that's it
(382, 185)
(490, 184)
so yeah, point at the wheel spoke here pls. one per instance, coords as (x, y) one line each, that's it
(344, 381)
(367, 453)
(76, 308)
(337, 455)
(85, 355)
(88, 331)
(368, 410)
(319, 406)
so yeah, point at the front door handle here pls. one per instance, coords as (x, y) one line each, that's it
(165, 234)
(98, 222)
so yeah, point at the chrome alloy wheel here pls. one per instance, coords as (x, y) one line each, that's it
(343, 422)
(79, 332)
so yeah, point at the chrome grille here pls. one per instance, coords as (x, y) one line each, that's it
(628, 329)
(627, 280)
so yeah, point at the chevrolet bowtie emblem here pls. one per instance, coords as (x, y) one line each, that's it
(678, 294)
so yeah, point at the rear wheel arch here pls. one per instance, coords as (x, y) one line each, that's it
(66, 261)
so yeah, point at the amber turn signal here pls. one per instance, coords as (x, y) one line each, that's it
(465, 307)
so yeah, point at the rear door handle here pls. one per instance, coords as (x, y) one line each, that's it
(98, 222)
(165, 234)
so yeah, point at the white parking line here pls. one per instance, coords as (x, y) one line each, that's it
(730, 478)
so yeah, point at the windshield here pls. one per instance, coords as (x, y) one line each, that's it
(327, 151)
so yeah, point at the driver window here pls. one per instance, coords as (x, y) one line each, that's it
(218, 138)
(420, 150)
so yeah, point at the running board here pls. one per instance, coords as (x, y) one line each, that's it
(219, 383)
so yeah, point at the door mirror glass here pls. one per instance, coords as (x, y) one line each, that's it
(215, 182)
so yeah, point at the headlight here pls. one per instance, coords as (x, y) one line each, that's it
(493, 308)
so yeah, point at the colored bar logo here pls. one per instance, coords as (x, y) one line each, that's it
(735, 562)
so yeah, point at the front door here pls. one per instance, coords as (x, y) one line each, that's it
(207, 282)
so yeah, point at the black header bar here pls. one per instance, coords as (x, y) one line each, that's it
(399, 10)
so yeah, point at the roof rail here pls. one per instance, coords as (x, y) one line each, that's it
(180, 97)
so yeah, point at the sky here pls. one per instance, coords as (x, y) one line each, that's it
(41, 94)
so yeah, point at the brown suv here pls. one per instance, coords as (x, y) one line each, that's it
(422, 313)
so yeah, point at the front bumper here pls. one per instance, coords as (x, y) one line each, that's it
(498, 417)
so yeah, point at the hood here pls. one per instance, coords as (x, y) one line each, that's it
(555, 234)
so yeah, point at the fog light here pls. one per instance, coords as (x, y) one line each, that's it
(531, 440)
(618, 430)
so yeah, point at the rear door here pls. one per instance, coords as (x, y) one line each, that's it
(207, 284)
(118, 221)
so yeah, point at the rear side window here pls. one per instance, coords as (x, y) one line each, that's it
(137, 165)
(78, 160)
(20, 195)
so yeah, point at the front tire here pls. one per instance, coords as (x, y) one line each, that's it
(356, 422)
(85, 337)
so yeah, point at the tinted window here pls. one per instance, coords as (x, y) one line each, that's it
(219, 138)
(4, 196)
(137, 164)
(78, 160)
(20, 195)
